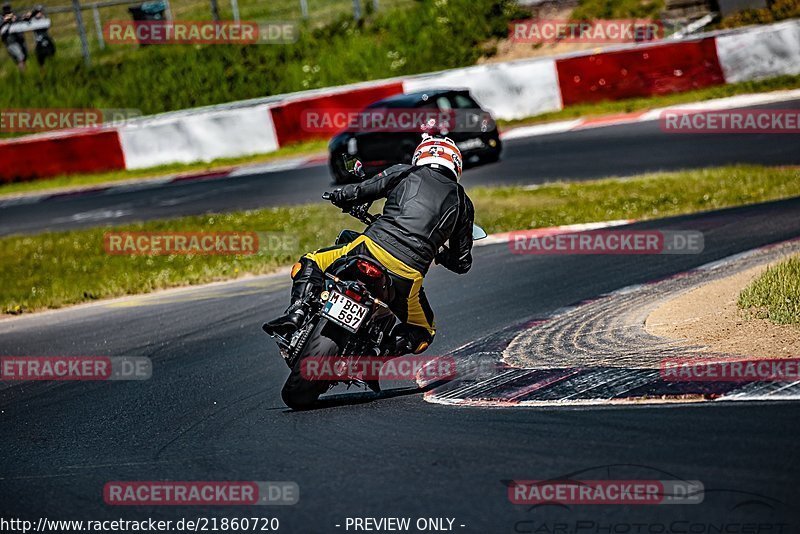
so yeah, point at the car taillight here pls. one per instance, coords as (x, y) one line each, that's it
(368, 269)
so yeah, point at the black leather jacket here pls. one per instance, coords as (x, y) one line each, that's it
(424, 208)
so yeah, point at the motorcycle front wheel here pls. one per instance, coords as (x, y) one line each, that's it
(299, 393)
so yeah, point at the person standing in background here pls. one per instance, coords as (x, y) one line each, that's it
(14, 42)
(45, 46)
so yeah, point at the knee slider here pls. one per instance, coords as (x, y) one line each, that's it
(411, 338)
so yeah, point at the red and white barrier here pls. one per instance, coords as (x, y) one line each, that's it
(761, 52)
(509, 90)
(63, 152)
(287, 115)
(641, 71)
(198, 137)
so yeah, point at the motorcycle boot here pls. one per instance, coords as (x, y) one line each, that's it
(307, 279)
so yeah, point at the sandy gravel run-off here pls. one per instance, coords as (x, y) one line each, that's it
(708, 316)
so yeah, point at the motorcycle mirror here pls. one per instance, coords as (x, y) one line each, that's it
(353, 166)
(478, 232)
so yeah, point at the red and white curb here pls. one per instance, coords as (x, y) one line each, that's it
(732, 102)
(489, 381)
(505, 237)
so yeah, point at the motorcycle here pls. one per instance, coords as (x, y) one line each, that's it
(350, 317)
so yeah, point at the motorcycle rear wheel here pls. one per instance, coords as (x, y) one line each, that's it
(299, 393)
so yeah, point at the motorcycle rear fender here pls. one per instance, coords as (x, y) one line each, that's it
(381, 288)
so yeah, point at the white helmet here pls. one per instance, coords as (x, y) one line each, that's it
(435, 151)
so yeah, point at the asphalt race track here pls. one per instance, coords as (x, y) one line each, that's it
(620, 150)
(212, 410)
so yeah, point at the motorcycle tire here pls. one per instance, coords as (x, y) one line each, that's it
(299, 393)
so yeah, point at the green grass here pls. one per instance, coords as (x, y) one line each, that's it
(777, 11)
(79, 180)
(645, 197)
(775, 295)
(618, 9)
(57, 269)
(404, 38)
(64, 28)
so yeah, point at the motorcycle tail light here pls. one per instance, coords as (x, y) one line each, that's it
(353, 295)
(368, 269)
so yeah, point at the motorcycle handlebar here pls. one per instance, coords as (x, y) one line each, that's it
(360, 212)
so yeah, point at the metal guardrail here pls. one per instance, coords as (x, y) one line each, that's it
(95, 5)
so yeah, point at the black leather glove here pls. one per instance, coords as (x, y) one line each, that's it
(338, 198)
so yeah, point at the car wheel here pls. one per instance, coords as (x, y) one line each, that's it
(494, 154)
(491, 157)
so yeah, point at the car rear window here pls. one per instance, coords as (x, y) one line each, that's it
(461, 101)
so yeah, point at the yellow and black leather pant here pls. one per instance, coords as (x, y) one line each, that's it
(410, 304)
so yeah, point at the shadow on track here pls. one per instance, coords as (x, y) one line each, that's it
(363, 397)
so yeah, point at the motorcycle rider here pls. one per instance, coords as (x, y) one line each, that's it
(425, 208)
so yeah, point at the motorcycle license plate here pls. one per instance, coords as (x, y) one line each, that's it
(344, 311)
